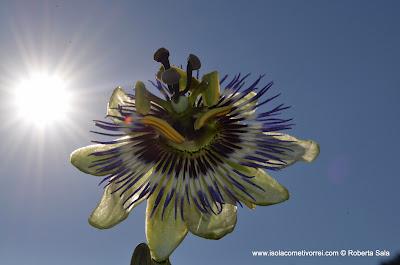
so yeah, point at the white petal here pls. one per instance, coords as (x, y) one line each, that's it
(300, 150)
(265, 190)
(244, 108)
(109, 211)
(247, 97)
(211, 226)
(117, 99)
(133, 201)
(83, 159)
(165, 233)
(114, 207)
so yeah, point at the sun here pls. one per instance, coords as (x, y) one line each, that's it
(42, 99)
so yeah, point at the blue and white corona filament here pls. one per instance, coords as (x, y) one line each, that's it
(194, 154)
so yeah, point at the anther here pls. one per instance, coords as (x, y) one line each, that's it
(194, 62)
(161, 56)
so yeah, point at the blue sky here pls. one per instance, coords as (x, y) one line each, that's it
(335, 62)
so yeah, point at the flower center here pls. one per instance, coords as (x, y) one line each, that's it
(195, 140)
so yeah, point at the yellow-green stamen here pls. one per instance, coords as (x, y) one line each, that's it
(217, 112)
(164, 128)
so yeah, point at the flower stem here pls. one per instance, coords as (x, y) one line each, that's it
(141, 256)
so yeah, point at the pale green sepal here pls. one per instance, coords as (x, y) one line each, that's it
(273, 192)
(109, 211)
(163, 233)
(211, 226)
(311, 150)
(268, 192)
(299, 150)
(83, 159)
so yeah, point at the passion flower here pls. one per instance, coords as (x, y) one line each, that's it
(194, 155)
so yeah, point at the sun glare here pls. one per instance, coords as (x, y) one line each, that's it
(42, 99)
